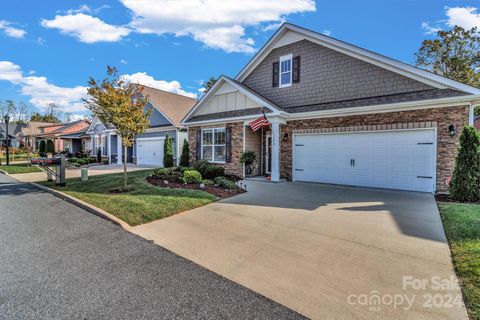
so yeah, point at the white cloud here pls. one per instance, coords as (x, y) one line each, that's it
(10, 72)
(10, 31)
(147, 80)
(466, 17)
(42, 92)
(123, 61)
(86, 28)
(328, 33)
(429, 29)
(213, 22)
(40, 41)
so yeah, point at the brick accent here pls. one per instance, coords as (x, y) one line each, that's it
(443, 117)
(327, 75)
(234, 167)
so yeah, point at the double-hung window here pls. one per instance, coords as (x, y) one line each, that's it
(286, 71)
(214, 144)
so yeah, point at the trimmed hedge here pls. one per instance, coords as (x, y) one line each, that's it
(192, 176)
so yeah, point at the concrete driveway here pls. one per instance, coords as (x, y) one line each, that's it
(324, 251)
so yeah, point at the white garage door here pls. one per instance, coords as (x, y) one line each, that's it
(150, 151)
(402, 160)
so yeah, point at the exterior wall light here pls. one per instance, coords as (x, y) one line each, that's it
(452, 131)
(285, 136)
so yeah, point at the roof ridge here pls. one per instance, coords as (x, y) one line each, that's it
(161, 90)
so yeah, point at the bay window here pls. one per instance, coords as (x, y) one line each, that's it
(214, 144)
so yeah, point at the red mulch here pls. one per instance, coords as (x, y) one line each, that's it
(219, 192)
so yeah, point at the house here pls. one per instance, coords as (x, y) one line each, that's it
(168, 111)
(31, 131)
(14, 134)
(338, 114)
(476, 123)
(69, 137)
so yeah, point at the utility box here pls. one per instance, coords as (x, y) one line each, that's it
(84, 174)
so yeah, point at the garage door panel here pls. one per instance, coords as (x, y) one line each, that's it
(150, 152)
(382, 159)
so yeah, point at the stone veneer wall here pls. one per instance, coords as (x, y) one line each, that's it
(234, 167)
(442, 117)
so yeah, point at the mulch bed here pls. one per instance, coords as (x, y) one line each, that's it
(219, 192)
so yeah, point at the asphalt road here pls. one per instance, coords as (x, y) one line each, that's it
(58, 261)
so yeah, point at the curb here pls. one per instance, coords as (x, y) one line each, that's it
(4, 172)
(84, 205)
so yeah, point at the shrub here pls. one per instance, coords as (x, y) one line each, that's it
(41, 147)
(208, 182)
(185, 158)
(82, 162)
(211, 172)
(224, 183)
(201, 166)
(168, 152)
(167, 174)
(182, 169)
(49, 147)
(192, 176)
(465, 184)
(248, 157)
(72, 159)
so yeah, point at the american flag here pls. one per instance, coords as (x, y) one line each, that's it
(258, 123)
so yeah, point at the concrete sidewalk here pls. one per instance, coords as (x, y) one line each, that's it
(75, 173)
(325, 251)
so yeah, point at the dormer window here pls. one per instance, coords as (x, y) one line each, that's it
(285, 71)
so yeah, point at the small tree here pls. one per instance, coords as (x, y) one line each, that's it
(465, 184)
(185, 158)
(121, 104)
(168, 152)
(50, 147)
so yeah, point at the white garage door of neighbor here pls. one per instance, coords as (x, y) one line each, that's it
(150, 151)
(403, 160)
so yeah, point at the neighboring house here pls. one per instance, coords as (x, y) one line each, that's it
(476, 123)
(31, 131)
(338, 114)
(69, 137)
(168, 110)
(15, 134)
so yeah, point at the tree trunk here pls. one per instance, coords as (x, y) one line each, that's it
(125, 177)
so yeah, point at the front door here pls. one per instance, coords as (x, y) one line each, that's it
(268, 153)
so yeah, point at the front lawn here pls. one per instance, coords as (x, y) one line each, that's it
(462, 226)
(144, 204)
(19, 168)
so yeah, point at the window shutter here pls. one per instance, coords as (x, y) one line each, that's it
(296, 70)
(275, 74)
(198, 149)
(228, 145)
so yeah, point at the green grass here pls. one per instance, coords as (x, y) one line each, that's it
(19, 168)
(16, 157)
(144, 204)
(462, 226)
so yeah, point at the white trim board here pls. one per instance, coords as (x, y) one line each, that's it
(356, 52)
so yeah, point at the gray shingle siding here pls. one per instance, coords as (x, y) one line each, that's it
(326, 76)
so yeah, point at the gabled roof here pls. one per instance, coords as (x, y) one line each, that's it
(297, 33)
(262, 101)
(60, 130)
(34, 127)
(173, 106)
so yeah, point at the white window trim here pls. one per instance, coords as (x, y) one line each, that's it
(213, 143)
(285, 58)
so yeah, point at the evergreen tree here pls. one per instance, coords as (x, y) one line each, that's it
(465, 184)
(168, 152)
(185, 158)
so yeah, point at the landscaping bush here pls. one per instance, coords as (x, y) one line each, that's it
(72, 159)
(211, 172)
(208, 182)
(167, 174)
(201, 165)
(99, 155)
(192, 176)
(41, 148)
(49, 147)
(185, 158)
(82, 162)
(465, 184)
(168, 152)
(224, 183)
(182, 169)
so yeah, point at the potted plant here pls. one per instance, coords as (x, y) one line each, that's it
(248, 158)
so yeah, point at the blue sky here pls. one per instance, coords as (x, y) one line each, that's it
(48, 51)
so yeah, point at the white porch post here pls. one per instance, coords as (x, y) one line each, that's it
(109, 147)
(119, 149)
(276, 148)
